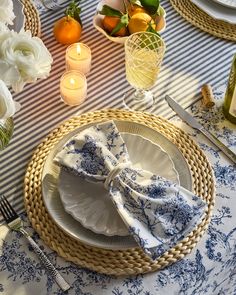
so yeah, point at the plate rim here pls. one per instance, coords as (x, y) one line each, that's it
(202, 4)
(225, 3)
(111, 240)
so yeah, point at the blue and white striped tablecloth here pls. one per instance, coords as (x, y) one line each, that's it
(192, 58)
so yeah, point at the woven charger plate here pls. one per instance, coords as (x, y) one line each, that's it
(203, 21)
(116, 262)
(32, 20)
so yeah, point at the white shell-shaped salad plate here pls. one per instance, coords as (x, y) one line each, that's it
(116, 4)
(90, 203)
(72, 227)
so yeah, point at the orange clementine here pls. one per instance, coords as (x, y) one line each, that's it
(67, 30)
(110, 22)
(160, 23)
(139, 22)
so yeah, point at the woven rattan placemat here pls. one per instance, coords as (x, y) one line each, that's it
(32, 20)
(115, 262)
(203, 21)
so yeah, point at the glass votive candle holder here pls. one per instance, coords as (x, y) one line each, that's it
(73, 88)
(78, 57)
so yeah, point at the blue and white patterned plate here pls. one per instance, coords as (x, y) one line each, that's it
(90, 203)
(74, 228)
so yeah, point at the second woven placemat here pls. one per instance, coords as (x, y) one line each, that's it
(203, 21)
(32, 20)
(116, 262)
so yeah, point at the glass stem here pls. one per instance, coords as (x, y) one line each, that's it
(139, 94)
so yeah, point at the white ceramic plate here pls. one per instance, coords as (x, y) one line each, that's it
(227, 3)
(117, 4)
(90, 203)
(216, 10)
(19, 20)
(74, 228)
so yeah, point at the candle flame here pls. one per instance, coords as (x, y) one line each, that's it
(78, 49)
(72, 81)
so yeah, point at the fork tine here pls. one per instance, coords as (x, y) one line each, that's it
(14, 222)
(6, 209)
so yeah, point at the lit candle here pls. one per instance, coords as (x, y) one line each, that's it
(73, 87)
(78, 57)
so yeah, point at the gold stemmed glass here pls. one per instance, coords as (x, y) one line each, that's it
(144, 52)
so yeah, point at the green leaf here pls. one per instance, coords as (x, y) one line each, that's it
(109, 11)
(74, 11)
(150, 29)
(124, 20)
(117, 28)
(150, 5)
(77, 17)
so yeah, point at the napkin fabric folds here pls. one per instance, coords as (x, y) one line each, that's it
(157, 212)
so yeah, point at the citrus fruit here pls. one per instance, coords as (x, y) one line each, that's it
(160, 23)
(67, 30)
(110, 22)
(140, 22)
(132, 9)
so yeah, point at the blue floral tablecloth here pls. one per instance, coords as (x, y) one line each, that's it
(209, 269)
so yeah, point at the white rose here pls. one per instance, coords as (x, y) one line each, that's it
(23, 59)
(8, 106)
(3, 27)
(6, 12)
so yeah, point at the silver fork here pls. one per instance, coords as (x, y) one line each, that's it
(15, 223)
(51, 4)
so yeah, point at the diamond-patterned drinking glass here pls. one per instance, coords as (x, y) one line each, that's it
(144, 52)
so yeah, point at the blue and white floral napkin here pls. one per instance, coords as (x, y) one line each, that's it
(157, 212)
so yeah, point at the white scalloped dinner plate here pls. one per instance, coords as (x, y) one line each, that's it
(227, 3)
(217, 11)
(90, 203)
(72, 227)
(18, 22)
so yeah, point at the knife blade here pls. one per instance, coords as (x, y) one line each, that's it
(191, 121)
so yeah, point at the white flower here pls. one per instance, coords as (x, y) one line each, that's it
(6, 12)
(3, 27)
(23, 59)
(8, 106)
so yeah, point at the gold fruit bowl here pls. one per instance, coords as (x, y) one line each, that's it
(117, 4)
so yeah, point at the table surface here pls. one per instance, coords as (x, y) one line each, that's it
(192, 58)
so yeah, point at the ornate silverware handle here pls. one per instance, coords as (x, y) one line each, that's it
(47, 263)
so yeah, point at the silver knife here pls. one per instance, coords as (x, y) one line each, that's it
(191, 121)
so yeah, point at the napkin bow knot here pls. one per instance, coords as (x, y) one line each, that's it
(157, 212)
(114, 172)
